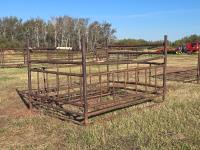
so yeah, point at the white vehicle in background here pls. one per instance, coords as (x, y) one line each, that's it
(64, 48)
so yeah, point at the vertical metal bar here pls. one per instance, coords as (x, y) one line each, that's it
(128, 68)
(68, 86)
(84, 81)
(68, 55)
(90, 75)
(117, 67)
(38, 81)
(125, 78)
(57, 78)
(100, 86)
(99, 69)
(29, 76)
(164, 68)
(70, 78)
(81, 89)
(24, 55)
(47, 81)
(107, 67)
(136, 79)
(149, 73)
(138, 72)
(44, 79)
(3, 56)
(113, 87)
(156, 79)
(146, 80)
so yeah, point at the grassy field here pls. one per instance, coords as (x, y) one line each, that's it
(173, 124)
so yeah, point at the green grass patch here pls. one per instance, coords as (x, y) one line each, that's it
(4, 78)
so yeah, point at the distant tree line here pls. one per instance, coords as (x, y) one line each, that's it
(130, 42)
(192, 38)
(65, 31)
(184, 40)
(56, 32)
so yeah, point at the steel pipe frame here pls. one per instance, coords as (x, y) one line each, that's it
(181, 76)
(84, 76)
(21, 62)
(12, 63)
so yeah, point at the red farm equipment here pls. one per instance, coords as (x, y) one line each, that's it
(192, 47)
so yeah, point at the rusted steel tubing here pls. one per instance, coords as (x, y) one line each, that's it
(13, 62)
(55, 110)
(138, 83)
(55, 72)
(29, 77)
(155, 77)
(74, 99)
(125, 62)
(53, 62)
(152, 63)
(164, 68)
(113, 86)
(53, 89)
(133, 46)
(2, 57)
(159, 89)
(91, 96)
(61, 101)
(145, 80)
(38, 81)
(75, 102)
(84, 80)
(59, 113)
(117, 67)
(182, 72)
(129, 98)
(44, 81)
(124, 70)
(13, 65)
(133, 52)
(13, 49)
(15, 54)
(59, 108)
(118, 106)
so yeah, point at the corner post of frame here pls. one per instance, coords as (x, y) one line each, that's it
(29, 75)
(164, 67)
(84, 78)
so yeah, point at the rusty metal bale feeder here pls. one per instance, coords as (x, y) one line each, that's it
(83, 87)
